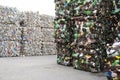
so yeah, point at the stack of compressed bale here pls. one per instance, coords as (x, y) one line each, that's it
(108, 33)
(47, 29)
(94, 24)
(38, 34)
(10, 33)
(31, 30)
(32, 40)
(25, 33)
(63, 31)
(86, 53)
(112, 37)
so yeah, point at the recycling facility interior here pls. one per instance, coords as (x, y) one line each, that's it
(25, 33)
(84, 30)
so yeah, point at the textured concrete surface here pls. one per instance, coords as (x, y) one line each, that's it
(41, 68)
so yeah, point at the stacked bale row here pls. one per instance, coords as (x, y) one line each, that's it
(86, 51)
(10, 33)
(31, 33)
(48, 45)
(91, 26)
(25, 33)
(112, 37)
(63, 31)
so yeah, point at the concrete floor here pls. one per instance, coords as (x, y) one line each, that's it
(41, 68)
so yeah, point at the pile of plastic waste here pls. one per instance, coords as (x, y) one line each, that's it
(83, 31)
(25, 33)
